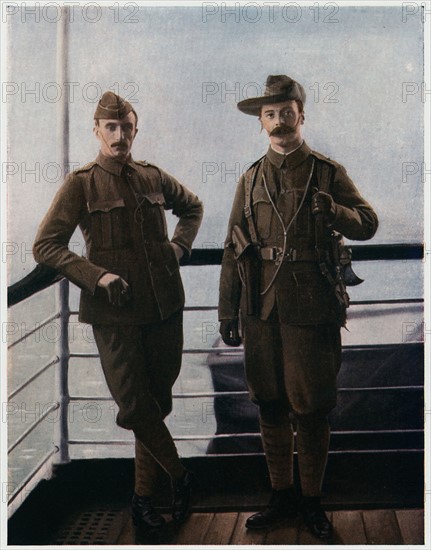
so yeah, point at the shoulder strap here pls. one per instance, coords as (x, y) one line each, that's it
(134, 182)
(250, 179)
(146, 164)
(86, 167)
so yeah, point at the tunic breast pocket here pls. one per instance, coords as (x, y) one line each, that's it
(110, 229)
(262, 209)
(154, 218)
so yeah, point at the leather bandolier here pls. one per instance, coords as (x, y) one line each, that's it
(323, 249)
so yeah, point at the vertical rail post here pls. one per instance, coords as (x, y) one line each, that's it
(62, 70)
(62, 297)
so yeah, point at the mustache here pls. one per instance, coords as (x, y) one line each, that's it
(119, 144)
(282, 130)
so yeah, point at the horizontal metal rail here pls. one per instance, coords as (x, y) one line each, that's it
(241, 435)
(381, 388)
(35, 329)
(375, 451)
(386, 302)
(174, 395)
(352, 303)
(21, 438)
(51, 363)
(331, 452)
(191, 395)
(31, 475)
(101, 442)
(351, 452)
(240, 350)
(257, 435)
(186, 351)
(379, 432)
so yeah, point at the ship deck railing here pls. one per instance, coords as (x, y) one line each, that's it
(58, 452)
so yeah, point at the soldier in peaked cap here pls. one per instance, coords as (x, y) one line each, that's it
(279, 278)
(132, 292)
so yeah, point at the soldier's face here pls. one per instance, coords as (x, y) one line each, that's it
(282, 122)
(116, 136)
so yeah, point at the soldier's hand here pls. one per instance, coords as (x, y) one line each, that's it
(229, 332)
(323, 203)
(116, 287)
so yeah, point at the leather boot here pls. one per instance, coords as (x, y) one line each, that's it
(182, 490)
(282, 505)
(315, 518)
(144, 515)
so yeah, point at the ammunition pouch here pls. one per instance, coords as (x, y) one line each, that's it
(336, 265)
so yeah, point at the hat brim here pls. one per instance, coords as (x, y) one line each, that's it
(253, 105)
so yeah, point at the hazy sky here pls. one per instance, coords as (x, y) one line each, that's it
(185, 68)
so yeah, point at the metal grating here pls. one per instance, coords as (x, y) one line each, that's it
(100, 526)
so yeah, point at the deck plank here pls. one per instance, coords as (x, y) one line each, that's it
(285, 534)
(305, 537)
(132, 535)
(221, 528)
(411, 523)
(194, 529)
(349, 527)
(381, 527)
(244, 536)
(353, 527)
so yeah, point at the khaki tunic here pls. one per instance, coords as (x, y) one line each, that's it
(121, 213)
(302, 295)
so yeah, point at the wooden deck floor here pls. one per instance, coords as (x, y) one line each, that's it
(359, 527)
(88, 502)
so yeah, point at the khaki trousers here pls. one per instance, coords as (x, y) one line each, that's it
(291, 372)
(141, 364)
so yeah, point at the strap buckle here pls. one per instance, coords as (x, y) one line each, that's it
(269, 253)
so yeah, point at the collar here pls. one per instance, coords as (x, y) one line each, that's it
(112, 165)
(290, 160)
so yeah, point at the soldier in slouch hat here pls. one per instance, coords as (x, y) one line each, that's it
(284, 272)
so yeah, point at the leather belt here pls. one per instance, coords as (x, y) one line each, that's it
(275, 254)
